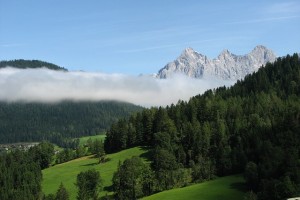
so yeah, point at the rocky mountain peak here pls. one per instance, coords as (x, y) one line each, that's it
(225, 66)
(188, 52)
(260, 48)
(225, 52)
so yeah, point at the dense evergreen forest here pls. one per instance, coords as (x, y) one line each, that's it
(252, 128)
(20, 176)
(20, 172)
(24, 122)
(24, 64)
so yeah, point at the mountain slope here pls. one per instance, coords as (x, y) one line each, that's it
(24, 64)
(225, 66)
(23, 122)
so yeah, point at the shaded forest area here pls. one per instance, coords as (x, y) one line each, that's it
(58, 122)
(252, 128)
(20, 172)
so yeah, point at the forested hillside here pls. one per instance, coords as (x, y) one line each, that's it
(252, 127)
(58, 121)
(24, 64)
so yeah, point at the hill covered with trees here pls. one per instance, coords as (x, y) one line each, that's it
(252, 128)
(23, 122)
(24, 64)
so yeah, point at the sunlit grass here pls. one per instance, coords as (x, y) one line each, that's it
(66, 173)
(225, 188)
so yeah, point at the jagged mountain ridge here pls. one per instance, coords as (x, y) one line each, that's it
(227, 66)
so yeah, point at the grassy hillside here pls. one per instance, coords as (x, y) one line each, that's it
(225, 188)
(67, 172)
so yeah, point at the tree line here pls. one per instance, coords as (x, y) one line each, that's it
(24, 64)
(250, 128)
(93, 147)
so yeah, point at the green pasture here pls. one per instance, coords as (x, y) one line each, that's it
(224, 188)
(66, 173)
(83, 140)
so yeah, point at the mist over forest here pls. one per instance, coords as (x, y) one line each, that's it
(49, 86)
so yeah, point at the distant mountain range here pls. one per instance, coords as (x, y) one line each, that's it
(227, 66)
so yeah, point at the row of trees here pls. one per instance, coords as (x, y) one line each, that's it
(252, 128)
(135, 178)
(60, 122)
(95, 147)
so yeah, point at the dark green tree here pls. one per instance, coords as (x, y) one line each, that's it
(133, 179)
(251, 175)
(89, 184)
(80, 151)
(97, 148)
(62, 193)
(43, 154)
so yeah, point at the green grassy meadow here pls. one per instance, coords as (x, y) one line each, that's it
(83, 140)
(225, 188)
(67, 172)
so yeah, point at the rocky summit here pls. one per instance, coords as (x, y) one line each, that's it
(227, 65)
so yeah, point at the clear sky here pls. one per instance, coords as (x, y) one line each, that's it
(139, 36)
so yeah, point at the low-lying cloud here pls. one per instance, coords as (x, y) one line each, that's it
(44, 85)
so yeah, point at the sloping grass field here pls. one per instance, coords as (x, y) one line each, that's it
(224, 188)
(66, 173)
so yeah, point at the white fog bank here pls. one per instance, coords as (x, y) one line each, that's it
(44, 85)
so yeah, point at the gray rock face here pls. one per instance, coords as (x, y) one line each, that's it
(226, 66)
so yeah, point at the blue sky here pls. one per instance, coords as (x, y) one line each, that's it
(133, 37)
